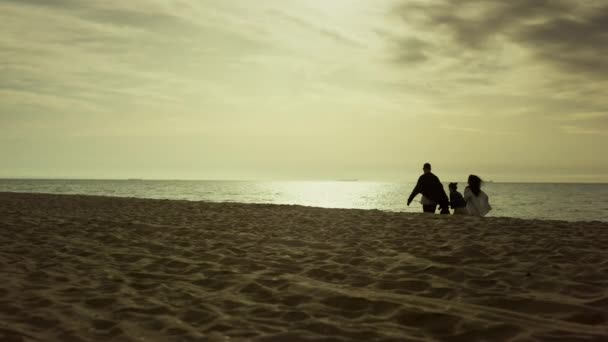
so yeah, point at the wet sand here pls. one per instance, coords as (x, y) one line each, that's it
(85, 268)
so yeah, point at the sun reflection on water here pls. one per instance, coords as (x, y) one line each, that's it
(329, 194)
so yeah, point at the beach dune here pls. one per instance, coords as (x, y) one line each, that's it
(81, 268)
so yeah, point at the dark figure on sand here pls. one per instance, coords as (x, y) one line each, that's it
(432, 192)
(457, 202)
(478, 203)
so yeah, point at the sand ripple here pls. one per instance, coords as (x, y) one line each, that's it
(79, 268)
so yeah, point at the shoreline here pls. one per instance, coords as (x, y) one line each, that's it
(299, 205)
(399, 180)
(126, 268)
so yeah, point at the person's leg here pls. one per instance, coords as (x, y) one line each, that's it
(429, 208)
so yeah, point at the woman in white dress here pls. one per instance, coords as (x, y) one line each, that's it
(478, 203)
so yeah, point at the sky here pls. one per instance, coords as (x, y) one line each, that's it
(304, 89)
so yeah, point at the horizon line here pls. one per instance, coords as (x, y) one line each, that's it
(288, 180)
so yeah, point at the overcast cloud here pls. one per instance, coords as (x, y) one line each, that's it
(304, 89)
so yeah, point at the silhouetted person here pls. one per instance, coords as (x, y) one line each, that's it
(432, 192)
(478, 203)
(457, 202)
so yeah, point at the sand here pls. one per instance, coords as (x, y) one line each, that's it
(84, 268)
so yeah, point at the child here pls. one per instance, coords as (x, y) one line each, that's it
(457, 201)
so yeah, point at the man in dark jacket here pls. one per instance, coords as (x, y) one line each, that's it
(432, 192)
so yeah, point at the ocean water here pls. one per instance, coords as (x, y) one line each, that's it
(571, 202)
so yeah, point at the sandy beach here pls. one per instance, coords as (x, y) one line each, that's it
(84, 268)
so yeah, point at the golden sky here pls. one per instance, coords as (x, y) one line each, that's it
(304, 89)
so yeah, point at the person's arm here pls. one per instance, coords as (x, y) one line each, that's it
(488, 202)
(442, 199)
(415, 192)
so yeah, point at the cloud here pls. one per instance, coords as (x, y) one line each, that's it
(324, 30)
(539, 61)
(584, 123)
(576, 44)
(578, 130)
(61, 4)
(79, 66)
(477, 131)
(412, 51)
(569, 35)
(586, 116)
(277, 69)
(147, 60)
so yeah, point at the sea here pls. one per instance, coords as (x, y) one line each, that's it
(570, 202)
